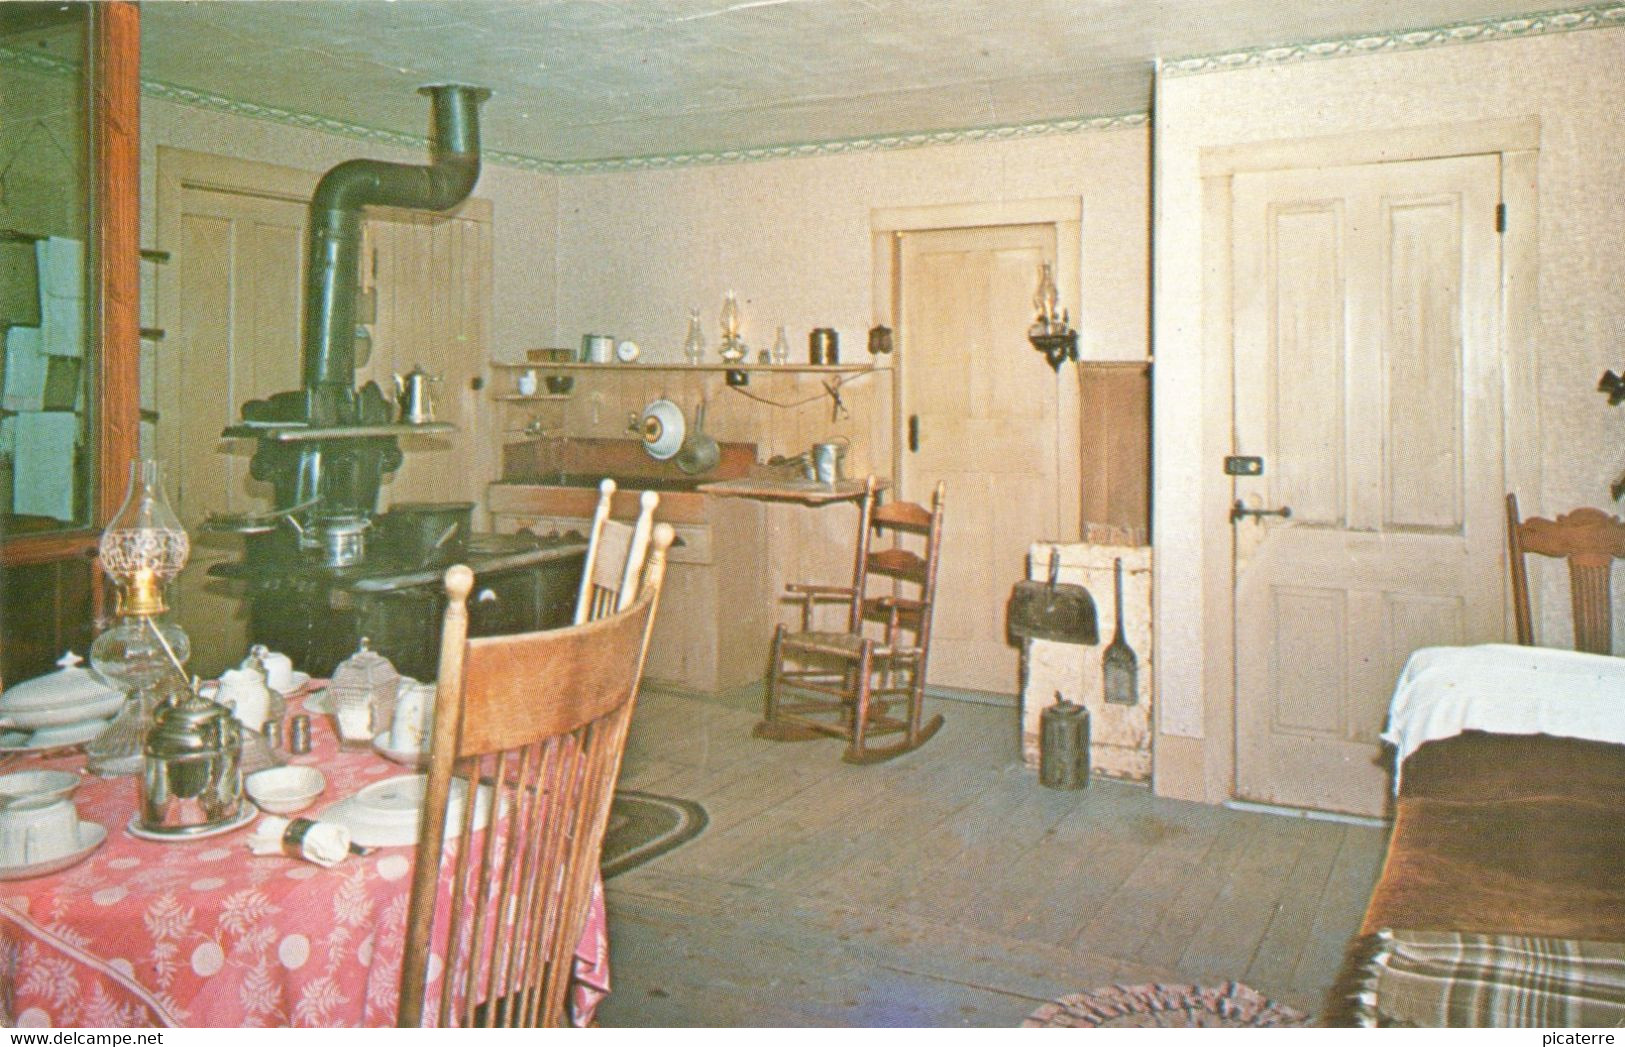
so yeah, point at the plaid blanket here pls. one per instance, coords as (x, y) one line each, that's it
(1450, 979)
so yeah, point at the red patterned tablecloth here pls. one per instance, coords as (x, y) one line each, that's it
(203, 933)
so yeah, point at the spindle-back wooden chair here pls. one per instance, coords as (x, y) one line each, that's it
(539, 720)
(615, 555)
(844, 683)
(1590, 540)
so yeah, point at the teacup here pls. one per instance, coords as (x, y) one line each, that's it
(414, 718)
(243, 691)
(278, 671)
(29, 835)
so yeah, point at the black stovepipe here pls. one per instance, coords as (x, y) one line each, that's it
(335, 237)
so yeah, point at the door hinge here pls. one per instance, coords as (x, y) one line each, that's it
(1500, 218)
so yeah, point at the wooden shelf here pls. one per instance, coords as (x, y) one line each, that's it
(521, 398)
(707, 368)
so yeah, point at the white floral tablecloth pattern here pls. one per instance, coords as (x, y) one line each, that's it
(202, 933)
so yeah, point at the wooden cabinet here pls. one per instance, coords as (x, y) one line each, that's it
(49, 587)
(1114, 405)
(715, 620)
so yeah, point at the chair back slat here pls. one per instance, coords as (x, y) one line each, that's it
(615, 555)
(1590, 540)
(533, 727)
(904, 564)
(903, 516)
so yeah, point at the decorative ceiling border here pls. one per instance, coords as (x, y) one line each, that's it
(1601, 16)
(1559, 21)
(878, 143)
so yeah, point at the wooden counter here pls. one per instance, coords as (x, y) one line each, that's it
(806, 492)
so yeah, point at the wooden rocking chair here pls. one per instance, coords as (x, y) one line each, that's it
(845, 684)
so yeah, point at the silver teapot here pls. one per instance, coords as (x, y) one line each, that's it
(193, 774)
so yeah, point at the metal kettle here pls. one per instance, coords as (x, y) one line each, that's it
(193, 774)
(412, 396)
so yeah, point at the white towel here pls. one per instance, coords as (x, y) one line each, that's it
(1506, 689)
(62, 326)
(43, 473)
(61, 267)
(25, 370)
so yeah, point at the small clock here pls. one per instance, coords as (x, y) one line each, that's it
(626, 350)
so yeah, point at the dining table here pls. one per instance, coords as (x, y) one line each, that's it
(201, 932)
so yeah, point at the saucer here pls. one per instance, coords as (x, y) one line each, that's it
(91, 836)
(319, 701)
(409, 757)
(140, 832)
(300, 679)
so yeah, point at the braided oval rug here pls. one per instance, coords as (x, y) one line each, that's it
(1165, 1006)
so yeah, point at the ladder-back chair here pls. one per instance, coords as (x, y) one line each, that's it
(845, 683)
(539, 720)
(1590, 540)
(615, 554)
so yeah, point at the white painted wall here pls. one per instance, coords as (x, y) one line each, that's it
(1570, 82)
(524, 204)
(792, 237)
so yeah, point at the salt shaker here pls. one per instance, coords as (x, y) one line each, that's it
(299, 734)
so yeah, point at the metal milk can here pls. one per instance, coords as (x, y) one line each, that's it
(193, 775)
(1063, 745)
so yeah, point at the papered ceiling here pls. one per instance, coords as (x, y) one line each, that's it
(588, 80)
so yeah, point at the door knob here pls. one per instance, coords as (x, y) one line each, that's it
(1240, 511)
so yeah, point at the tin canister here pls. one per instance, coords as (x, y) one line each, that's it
(1063, 746)
(823, 346)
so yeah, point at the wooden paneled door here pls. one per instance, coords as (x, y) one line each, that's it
(1368, 377)
(978, 409)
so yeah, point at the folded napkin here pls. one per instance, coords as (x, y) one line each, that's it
(324, 843)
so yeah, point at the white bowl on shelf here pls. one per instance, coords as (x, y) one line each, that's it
(284, 790)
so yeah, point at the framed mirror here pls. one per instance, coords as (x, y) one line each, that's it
(69, 304)
(46, 458)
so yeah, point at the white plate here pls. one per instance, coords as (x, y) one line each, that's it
(318, 701)
(140, 832)
(664, 427)
(91, 836)
(69, 733)
(299, 680)
(386, 813)
(28, 745)
(409, 757)
(94, 707)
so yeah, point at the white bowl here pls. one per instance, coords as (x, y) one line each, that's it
(26, 789)
(663, 428)
(284, 790)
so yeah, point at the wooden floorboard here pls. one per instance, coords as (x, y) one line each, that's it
(946, 887)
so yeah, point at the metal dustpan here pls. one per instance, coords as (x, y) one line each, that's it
(1060, 613)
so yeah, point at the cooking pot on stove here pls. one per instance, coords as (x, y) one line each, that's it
(426, 534)
(341, 540)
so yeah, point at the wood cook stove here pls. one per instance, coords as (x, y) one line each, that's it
(324, 568)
